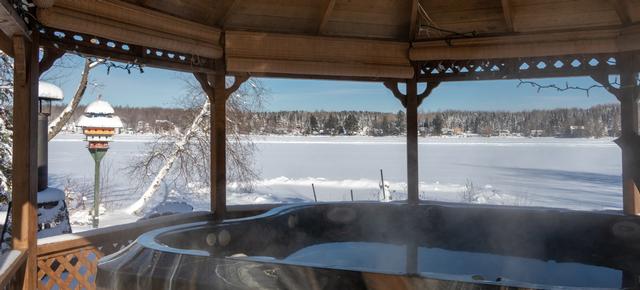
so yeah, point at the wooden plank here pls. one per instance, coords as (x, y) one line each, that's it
(227, 12)
(134, 15)
(327, 8)
(413, 17)
(314, 48)
(66, 19)
(250, 52)
(25, 174)
(622, 9)
(10, 22)
(609, 40)
(507, 10)
(316, 69)
(550, 15)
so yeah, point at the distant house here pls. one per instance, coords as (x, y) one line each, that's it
(447, 132)
(504, 133)
(536, 133)
(577, 131)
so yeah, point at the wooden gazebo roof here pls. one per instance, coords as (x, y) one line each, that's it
(394, 41)
(355, 39)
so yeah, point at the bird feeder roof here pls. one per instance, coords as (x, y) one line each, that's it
(99, 107)
(49, 91)
(100, 122)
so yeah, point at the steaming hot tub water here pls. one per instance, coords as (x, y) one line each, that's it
(386, 246)
(385, 258)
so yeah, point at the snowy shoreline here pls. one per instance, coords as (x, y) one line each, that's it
(582, 174)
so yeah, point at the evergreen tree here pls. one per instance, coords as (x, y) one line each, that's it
(351, 125)
(313, 123)
(331, 125)
(401, 122)
(437, 124)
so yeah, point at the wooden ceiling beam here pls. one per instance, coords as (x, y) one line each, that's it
(622, 9)
(327, 7)
(284, 54)
(10, 22)
(507, 10)
(413, 17)
(227, 11)
(605, 40)
(197, 39)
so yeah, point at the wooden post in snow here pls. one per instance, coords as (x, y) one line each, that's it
(25, 168)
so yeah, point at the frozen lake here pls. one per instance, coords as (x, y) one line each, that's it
(569, 173)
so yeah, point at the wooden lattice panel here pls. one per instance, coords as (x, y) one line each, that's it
(71, 270)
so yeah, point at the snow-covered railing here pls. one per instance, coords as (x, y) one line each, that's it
(70, 261)
(10, 263)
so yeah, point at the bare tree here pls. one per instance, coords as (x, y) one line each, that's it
(185, 156)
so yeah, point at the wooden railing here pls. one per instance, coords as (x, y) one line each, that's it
(70, 261)
(10, 263)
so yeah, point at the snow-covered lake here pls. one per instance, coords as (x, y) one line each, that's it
(570, 173)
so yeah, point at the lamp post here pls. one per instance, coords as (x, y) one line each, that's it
(47, 93)
(98, 124)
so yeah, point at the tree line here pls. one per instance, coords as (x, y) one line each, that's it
(597, 121)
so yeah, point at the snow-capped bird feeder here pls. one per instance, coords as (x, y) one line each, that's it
(98, 124)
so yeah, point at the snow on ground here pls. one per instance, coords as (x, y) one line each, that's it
(568, 173)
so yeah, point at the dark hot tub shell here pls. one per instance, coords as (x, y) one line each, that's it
(268, 251)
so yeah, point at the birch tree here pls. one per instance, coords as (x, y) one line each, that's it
(185, 156)
(61, 120)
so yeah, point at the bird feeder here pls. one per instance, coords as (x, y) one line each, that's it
(98, 124)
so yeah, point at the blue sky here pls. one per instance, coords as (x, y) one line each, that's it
(157, 87)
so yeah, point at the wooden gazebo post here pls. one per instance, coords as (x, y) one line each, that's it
(411, 101)
(214, 85)
(25, 168)
(629, 140)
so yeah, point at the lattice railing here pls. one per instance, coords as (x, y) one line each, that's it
(70, 261)
(74, 270)
(528, 67)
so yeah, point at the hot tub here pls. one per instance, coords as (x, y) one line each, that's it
(386, 246)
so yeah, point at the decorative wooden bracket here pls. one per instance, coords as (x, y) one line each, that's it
(237, 82)
(603, 79)
(427, 91)
(49, 56)
(393, 87)
(208, 84)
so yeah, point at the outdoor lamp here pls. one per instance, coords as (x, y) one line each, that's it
(48, 92)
